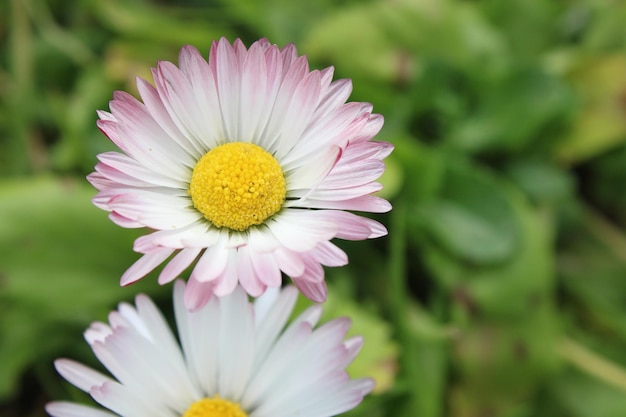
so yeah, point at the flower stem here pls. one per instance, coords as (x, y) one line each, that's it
(409, 364)
(593, 364)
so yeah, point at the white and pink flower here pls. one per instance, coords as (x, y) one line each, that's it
(244, 166)
(238, 359)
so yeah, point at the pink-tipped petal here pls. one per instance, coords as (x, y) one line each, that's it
(178, 264)
(266, 268)
(316, 291)
(227, 281)
(197, 294)
(144, 265)
(248, 277)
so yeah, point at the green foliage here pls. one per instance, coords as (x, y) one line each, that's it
(57, 273)
(501, 289)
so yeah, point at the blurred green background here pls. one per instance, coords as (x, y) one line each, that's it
(501, 288)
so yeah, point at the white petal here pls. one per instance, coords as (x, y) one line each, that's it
(225, 67)
(80, 375)
(253, 93)
(248, 277)
(66, 409)
(304, 100)
(227, 281)
(122, 401)
(178, 264)
(266, 268)
(368, 203)
(147, 369)
(275, 366)
(328, 254)
(292, 77)
(198, 332)
(213, 262)
(145, 141)
(331, 129)
(289, 262)
(301, 230)
(271, 324)
(157, 109)
(312, 173)
(123, 169)
(336, 95)
(197, 293)
(236, 345)
(274, 73)
(316, 291)
(201, 78)
(195, 235)
(144, 265)
(179, 99)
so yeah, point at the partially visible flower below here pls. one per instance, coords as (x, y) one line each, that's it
(238, 359)
(244, 165)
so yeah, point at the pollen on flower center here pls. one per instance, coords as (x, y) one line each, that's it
(214, 407)
(237, 185)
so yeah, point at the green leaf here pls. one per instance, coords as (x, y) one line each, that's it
(507, 289)
(500, 123)
(138, 19)
(424, 167)
(582, 396)
(599, 124)
(542, 181)
(592, 270)
(61, 263)
(472, 217)
(500, 364)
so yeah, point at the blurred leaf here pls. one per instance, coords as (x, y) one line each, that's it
(502, 123)
(507, 321)
(601, 175)
(125, 60)
(473, 216)
(282, 21)
(431, 353)
(501, 364)
(601, 119)
(542, 181)
(77, 120)
(581, 396)
(61, 262)
(140, 19)
(424, 167)
(592, 266)
(390, 32)
(602, 368)
(507, 289)
(528, 28)
(606, 28)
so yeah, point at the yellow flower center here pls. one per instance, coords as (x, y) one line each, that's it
(214, 407)
(237, 185)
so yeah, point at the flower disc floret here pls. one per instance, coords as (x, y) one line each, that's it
(214, 407)
(237, 185)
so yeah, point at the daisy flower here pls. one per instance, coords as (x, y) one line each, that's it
(238, 359)
(243, 166)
